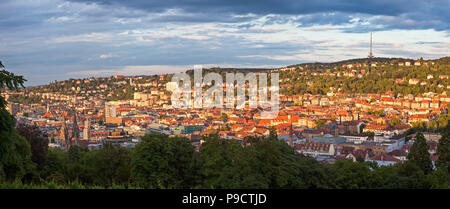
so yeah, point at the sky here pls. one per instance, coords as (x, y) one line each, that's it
(48, 40)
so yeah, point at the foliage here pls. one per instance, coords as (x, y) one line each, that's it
(443, 150)
(162, 162)
(13, 82)
(24, 99)
(321, 78)
(419, 154)
(108, 166)
(37, 140)
(15, 155)
(394, 121)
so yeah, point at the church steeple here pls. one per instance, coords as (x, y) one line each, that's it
(64, 135)
(75, 129)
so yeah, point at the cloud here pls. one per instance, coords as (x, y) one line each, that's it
(265, 6)
(91, 37)
(63, 38)
(132, 70)
(105, 56)
(407, 14)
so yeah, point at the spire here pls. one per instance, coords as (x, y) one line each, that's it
(291, 141)
(75, 129)
(64, 133)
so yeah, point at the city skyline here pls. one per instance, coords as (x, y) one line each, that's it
(56, 40)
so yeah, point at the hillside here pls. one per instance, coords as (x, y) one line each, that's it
(399, 75)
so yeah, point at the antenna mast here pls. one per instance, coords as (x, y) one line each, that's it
(369, 60)
(370, 53)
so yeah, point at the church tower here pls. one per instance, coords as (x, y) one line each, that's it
(64, 135)
(75, 129)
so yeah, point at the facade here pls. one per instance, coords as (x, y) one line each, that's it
(315, 149)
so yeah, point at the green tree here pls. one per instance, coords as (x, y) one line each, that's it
(407, 175)
(352, 175)
(224, 116)
(12, 82)
(55, 166)
(108, 166)
(38, 142)
(419, 154)
(394, 121)
(443, 150)
(273, 133)
(15, 157)
(162, 162)
(218, 158)
(319, 124)
(15, 154)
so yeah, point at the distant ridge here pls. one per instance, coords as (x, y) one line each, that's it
(442, 60)
(311, 65)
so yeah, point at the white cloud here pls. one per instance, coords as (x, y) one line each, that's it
(105, 56)
(133, 70)
(196, 37)
(90, 37)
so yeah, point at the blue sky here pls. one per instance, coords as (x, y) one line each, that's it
(47, 40)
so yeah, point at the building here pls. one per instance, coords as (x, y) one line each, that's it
(315, 149)
(328, 139)
(355, 139)
(384, 159)
(413, 81)
(13, 108)
(110, 110)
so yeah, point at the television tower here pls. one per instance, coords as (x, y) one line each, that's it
(369, 60)
(370, 53)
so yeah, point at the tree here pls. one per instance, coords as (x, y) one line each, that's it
(108, 166)
(361, 128)
(319, 124)
(13, 82)
(218, 158)
(406, 175)
(15, 154)
(419, 154)
(55, 166)
(443, 150)
(273, 133)
(352, 175)
(38, 142)
(394, 121)
(15, 157)
(261, 163)
(162, 162)
(224, 116)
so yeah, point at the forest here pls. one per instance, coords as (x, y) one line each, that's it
(160, 162)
